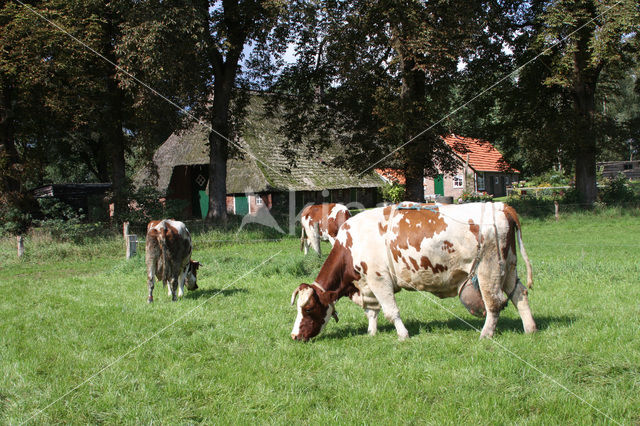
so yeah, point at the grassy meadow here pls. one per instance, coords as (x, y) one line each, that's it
(79, 344)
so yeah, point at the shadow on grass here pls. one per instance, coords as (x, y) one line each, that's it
(210, 292)
(415, 327)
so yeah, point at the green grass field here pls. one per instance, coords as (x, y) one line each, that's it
(79, 344)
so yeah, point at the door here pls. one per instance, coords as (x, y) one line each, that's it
(438, 185)
(199, 197)
(242, 205)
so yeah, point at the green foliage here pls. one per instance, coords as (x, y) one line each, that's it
(471, 197)
(147, 204)
(549, 178)
(392, 192)
(63, 223)
(13, 221)
(617, 190)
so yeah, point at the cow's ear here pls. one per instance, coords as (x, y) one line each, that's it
(295, 293)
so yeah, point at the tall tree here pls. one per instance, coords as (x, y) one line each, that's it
(579, 41)
(231, 28)
(72, 103)
(378, 74)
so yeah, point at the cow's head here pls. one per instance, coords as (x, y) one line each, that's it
(315, 308)
(192, 275)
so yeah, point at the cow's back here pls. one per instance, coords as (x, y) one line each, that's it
(430, 248)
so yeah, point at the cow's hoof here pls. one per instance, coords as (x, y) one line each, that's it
(403, 337)
(150, 300)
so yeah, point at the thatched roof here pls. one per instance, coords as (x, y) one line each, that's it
(262, 168)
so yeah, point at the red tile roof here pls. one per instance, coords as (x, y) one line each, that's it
(483, 157)
(393, 175)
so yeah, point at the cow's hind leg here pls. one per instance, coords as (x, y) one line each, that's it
(521, 302)
(489, 280)
(150, 285)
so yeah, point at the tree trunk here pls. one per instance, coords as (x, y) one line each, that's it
(8, 153)
(114, 123)
(585, 142)
(218, 155)
(219, 149)
(586, 176)
(414, 188)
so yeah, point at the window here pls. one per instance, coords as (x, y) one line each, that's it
(480, 181)
(457, 181)
(627, 166)
(497, 180)
(507, 180)
(258, 200)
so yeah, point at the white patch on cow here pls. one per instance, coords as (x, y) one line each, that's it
(303, 299)
(337, 209)
(327, 317)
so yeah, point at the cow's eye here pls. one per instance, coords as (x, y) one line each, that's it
(308, 310)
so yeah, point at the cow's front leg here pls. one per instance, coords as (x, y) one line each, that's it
(173, 288)
(183, 276)
(387, 300)
(372, 315)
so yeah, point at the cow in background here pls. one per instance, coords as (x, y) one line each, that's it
(321, 222)
(168, 257)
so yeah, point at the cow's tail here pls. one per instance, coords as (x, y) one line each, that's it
(523, 252)
(302, 240)
(516, 221)
(162, 236)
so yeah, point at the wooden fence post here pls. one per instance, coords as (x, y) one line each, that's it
(555, 203)
(125, 230)
(132, 242)
(20, 246)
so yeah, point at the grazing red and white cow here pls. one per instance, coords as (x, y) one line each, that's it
(321, 222)
(435, 248)
(168, 257)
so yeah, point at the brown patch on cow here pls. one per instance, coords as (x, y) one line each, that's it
(448, 247)
(319, 213)
(514, 222)
(349, 241)
(364, 267)
(382, 228)
(386, 212)
(414, 227)
(338, 273)
(475, 230)
(378, 274)
(414, 263)
(426, 264)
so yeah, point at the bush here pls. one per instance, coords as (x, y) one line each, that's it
(147, 203)
(62, 222)
(392, 192)
(617, 190)
(472, 197)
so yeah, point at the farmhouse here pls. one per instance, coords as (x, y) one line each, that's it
(611, 169)
(85, 198)
(260, 175)
(486, 171)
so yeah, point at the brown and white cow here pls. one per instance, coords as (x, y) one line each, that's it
(168, 257)
(321, 222)
(433, 248)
